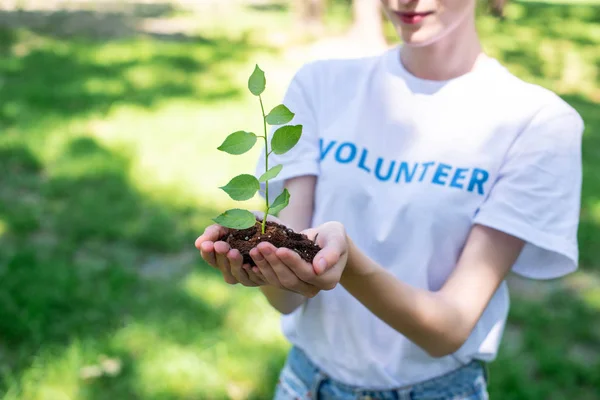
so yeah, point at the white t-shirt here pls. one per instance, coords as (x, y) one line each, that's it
(408, 166)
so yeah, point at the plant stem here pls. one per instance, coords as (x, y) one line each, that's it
(264, 221)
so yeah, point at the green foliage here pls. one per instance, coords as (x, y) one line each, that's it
(280, 202)
(242, 187)
(279, 115)
(96, 258)
(271, 173)
(238, 143)
(236, 219)
(285, 138)
(245, 186)
(257, 82)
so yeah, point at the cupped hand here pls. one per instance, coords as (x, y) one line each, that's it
(221, 256)
(229, 261)
(285, 268)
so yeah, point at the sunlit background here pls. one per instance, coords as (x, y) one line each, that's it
(110, 115)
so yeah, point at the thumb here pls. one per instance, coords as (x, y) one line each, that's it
(310, 233)
(328, 256)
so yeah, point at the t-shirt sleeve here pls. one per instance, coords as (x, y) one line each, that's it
(537, 194)
(304, 157)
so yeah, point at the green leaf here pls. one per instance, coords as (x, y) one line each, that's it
(236, 219)
(280, 202)
(271, 173)
(238, 142)
(257, 82)
(285, 138)
(242, 187)
(279, 115)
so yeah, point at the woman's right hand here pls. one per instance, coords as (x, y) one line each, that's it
(229, 261)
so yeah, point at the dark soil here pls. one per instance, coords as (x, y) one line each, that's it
(278, 235)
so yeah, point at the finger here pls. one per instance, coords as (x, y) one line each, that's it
(331, 277)
(212, 233)
(328, 256)
(235, 260)
(259, 274)
(253, 276)
(221, 249)
(310, 233)
(207, 251)
(264, 268)
(303, 270)
(286, 277)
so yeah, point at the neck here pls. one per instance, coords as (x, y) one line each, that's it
(449, 57)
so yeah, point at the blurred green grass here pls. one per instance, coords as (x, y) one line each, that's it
(109, 171)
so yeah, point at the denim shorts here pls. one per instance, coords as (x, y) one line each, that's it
(300, 379)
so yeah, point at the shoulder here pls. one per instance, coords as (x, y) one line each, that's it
(538, 103)
(544, 119)
(554, 125)
(327, 74)
(327, 86)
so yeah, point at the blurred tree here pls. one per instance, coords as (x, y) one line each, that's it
(309, 15)
(368, 22)
(497, 7)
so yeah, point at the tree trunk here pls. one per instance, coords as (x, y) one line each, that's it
(497, 7)
(309, 15)
(368, 24)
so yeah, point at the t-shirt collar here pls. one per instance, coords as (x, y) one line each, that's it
(394, 65)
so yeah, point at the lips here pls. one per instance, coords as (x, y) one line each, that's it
(411, 17)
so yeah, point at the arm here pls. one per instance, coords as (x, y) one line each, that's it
(297, 216)
(439, 322)
(535, 199)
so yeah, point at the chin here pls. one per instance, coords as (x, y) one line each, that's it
(419, 38)
(415, 41)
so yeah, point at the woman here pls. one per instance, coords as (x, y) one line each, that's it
(428, 172)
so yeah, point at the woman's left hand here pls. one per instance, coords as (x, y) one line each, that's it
(327, 267)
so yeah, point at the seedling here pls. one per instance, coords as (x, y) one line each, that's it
(243, 235)
(245, 186)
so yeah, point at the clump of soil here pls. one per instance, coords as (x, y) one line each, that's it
(278, 235)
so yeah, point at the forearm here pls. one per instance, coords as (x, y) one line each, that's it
(424, 317)
(297, 216)
(282, 300)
